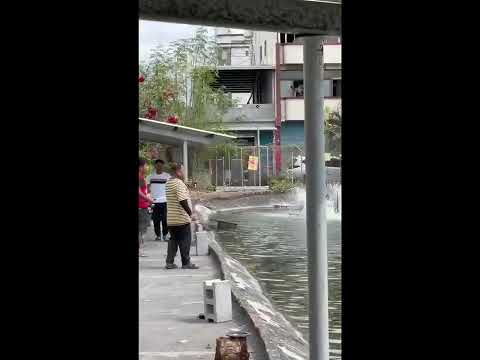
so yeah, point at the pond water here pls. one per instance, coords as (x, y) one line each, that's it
(271, 244)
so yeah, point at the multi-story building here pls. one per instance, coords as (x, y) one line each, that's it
(264, 73)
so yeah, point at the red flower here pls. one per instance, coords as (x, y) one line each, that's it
(151, 113)
(141, 78)
(173, 119)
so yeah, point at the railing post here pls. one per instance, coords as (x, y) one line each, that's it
(185, 160)
(268, 171)
(292, 165)
(241, 163)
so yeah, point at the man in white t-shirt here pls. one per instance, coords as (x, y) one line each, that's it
(156, 187)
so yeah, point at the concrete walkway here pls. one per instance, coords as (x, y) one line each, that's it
(170, 302)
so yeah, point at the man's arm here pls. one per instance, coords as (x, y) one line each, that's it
(183, 196)
(185, 206)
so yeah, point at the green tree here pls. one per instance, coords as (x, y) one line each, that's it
(179, 80)
(333, 130)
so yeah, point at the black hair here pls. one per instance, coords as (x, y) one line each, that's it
(175, 166)
(159, 161)
(141, 162)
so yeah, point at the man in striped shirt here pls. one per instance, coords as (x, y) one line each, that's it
(179, 215)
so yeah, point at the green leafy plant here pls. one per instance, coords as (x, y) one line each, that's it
(281, 184)
(178, 80)
(211, 188)
(203, 180)
(333, 130)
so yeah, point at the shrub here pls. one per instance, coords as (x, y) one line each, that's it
(211, 188)
(281, 184)
(203, 180)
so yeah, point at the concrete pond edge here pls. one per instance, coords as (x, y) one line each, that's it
(282, 341)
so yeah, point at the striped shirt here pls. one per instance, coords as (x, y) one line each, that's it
(177, 191)
(157, 186)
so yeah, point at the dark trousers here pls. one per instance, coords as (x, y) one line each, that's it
(180, 237)
(159, 215)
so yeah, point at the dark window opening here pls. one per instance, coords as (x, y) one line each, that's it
(245, 141)
(265, 48)
(298, 88)
(261, 54)
(286, 38)
(337, 88)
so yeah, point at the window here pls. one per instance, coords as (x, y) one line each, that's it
(261, 54)
(246, 53)
(265, 48)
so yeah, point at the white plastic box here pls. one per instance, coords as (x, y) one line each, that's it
(202, 243)
(217, 297)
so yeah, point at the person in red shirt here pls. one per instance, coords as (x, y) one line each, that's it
(144, 202)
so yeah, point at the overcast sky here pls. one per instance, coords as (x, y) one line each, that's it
(152, 33)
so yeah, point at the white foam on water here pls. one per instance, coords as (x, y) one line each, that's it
(239, 281)
(334, 201)
(260, 307)
(291, 354)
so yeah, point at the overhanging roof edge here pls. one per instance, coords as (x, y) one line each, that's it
(205, 132)
(298, 16)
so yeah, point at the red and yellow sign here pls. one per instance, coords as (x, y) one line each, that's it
(253, 163)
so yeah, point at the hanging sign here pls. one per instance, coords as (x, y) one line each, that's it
(253, 163)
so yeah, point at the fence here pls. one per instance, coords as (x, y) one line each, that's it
(256, 166)
(242, 166)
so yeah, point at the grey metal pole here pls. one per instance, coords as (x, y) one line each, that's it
(216, 170)
(274, 171)
(241, 163)
(259, 166)
(185, 160)
(316, 197)
(259, 161)
(268, 171)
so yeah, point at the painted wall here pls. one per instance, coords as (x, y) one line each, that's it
(266, 137)
(293, 54)
(292, 133)
(241, 98)
(259, 39)
(293, 109)
(240, 56)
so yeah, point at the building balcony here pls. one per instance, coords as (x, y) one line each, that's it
(250, 117)
(293, 109)
(292, 54)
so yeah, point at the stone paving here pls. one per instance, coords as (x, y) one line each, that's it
(169, 304)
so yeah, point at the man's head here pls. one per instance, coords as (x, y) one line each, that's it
(177, 170)
(142, 166)
(159, 166)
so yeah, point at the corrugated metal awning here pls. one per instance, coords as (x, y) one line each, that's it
(173, 134)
